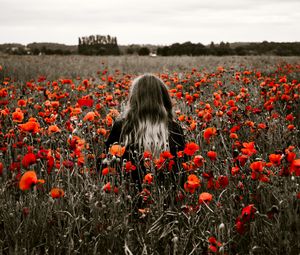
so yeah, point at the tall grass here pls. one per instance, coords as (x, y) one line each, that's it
(25, 68)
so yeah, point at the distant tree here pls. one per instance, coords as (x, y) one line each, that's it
(212, 48)
(187, 48)
(241, 51)
(176, 49)
(132, 49)
(98, 45)
(164, 51)
(144, 51)
(199, 49)
(224, 49)
(129, 51)
(35, 51)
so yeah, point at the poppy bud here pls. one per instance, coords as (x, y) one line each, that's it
(221, 226)
(175, 239)
(235, 153)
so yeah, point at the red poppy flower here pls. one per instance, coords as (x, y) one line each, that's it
(53, 129)
(209, 132)
(248, 212)
(223, 181)
(214, 244)
(57, 193)
(290, 117)
(191, 148)
(105, 171)
(90, 116)
(147, 154)
(193, 182)
(257, 166)
(117, 150)
(249, 149)
(198, 160)
(235, 129)
(262, 126)
(31, 126)
(212, 248)
(109, 98)
(85, 102)
(181, 117)
(109, 120)
(180, 154)
(129, 167)
(50, 164)
(3, 92)
(212, 155)
(66, 81)
(18, 115)
(240, 226)
(28, 179)
(290, 156)
(43, 153)
(275, 159)
(262, 178)
(102, 131)
(107, 187)
(188, 166)
(75, 111)
(242, 159)
(55, 104)
(4, 102)
(148, 178)
(205, 197)
(28, 160)
(22, 102)
(233, 136)
(166, 155)
(235, 170)
(4, 112)
(1, 168)
(295, 167)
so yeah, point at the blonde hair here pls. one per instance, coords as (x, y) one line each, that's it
(147, 115)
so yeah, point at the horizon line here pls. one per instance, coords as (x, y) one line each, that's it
(25, 44)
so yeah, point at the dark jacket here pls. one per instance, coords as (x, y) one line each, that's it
(176, 143)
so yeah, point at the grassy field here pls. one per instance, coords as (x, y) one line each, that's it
(240, 117)
(25, 68)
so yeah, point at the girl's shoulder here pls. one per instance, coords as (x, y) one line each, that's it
(119, 122)
(176, 137)
(115, 132)
(174, 127)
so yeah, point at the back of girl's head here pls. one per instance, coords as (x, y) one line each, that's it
(149, 98)
(147, 115)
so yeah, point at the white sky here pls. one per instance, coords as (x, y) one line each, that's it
(154, 22)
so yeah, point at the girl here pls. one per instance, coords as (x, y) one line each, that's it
(147, 124)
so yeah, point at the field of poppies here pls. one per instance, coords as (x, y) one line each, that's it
(60, 190)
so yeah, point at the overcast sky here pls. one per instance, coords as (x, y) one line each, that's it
(155, 22)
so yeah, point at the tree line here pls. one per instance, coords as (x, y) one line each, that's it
(223, 49)
(108, 45)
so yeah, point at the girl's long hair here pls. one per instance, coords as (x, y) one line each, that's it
(147, 115)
